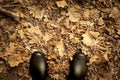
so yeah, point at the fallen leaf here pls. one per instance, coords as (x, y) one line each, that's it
(71, 36)
(47, 37)
(15, 60)
(73, 17)
(60, 47)
(118, 31)
(86, 14)
(52, 56)
(36, 12)
(10, 49)
(67, 23)
(63, 31)
(61, 4)
(110, 30)
(75, 40)
(87, 39)
(2, 68)
(106, 56)
(100, 21)
(118, 23)
(18, 1)
(21, 33)
(94, 34)
(94, 13)
(34, 33)
(114, 13)
(86, 23)
(93, 59)
(97, 58)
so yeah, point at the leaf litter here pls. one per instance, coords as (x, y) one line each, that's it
(58, 29)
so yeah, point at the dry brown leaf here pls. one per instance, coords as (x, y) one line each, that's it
(106, 56)
(118, 23)
(34, 30)
(115, 13)
(2, 68)
(73, 16)
(12, 37)
(18, 1)
(60, 47)
(67, 23)
(61, 3)
(100, 21)
(52, 24)
(94, 13)
(110, 30)
(47, 37)
(106, 10)
(87, 39)
(13, 63)
(71, 36)
(97, 58)
(21, 33)
(118, 31)
(52, 56)
(63, 31)
(10, 49)
(86, 23)
(15, 60)
(36, 12)
(75, 40)
(86, 14)
(55, 76)
(94, 59)
(34, 34)
(94, 34)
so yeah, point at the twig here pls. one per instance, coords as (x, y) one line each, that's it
(16, 17)
(10, 6)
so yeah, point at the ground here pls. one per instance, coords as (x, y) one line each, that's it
(59, 28)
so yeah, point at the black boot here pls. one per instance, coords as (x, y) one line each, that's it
(38, 66)
(78, 67)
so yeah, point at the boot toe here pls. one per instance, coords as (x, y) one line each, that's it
(37, 65)
(78, 67)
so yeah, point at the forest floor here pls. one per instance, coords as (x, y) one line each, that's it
(58, 29)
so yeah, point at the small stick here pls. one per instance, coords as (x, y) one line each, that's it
(16, 17)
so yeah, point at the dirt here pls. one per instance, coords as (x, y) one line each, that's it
(59, 28)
